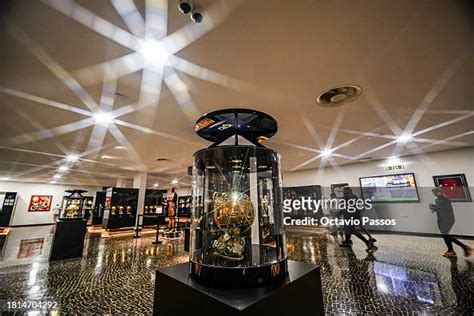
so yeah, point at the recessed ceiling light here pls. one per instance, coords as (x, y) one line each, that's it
(404, 138)
(155, 52)
(338, 96)
(175, 181)
(120, 147)
(155, 185)
(107, 157)
(52, 182)
(392, 157)
(63, 168)
(57, 176)
(4, 178)
(72, 157)
(326, 153)
(103, 118)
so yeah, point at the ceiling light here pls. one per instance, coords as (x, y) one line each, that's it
(338, 96)
(4, 179)
(63, 168)
(404, 138)
(155, 185)
(72, 157)
(326, 153)
(392, 157)
(103, 118)
(57, 176)
(107, 157)
(155, 52)
(52, 182)
(175, 181)
(119, 147)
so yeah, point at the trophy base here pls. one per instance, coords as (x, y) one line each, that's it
(238, 277)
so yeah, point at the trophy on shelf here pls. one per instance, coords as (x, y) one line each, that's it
(114, 210)
(227, 247)
(129, 210)
(120, 210)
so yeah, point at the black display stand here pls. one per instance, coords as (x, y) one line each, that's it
(299, 294)
(68, 239)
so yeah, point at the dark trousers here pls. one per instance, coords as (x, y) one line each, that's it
(449, 240)
(351, 230)
(445, 227)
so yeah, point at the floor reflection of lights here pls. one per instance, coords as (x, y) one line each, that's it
(117, 275)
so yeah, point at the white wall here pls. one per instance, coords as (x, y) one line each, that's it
(21, 216)
(411, 217)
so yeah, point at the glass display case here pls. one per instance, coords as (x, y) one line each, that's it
(154, 209)
(73, 205)
(120, 208)
(237, 236)
(98, 211)
(184, 205)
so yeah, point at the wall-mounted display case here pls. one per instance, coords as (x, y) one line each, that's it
(120, 208)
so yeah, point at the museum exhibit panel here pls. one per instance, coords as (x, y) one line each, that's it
(237, 237)
(184, 205)
(120, 208)
(99, 206)
(7, 202)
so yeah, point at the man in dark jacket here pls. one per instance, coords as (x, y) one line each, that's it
(444, 212)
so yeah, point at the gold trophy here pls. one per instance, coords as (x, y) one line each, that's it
(234, 214)
(129, 210)
(120, 210)
(114, 210)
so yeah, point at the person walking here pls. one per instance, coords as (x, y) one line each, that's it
(350, 228)
(443, 208)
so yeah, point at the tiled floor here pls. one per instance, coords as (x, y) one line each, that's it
(116, 275)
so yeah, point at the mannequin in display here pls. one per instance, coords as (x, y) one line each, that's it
(171, 206)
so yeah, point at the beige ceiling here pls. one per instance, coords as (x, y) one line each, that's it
(413, 60)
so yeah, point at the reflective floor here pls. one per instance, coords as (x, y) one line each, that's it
(116, 275)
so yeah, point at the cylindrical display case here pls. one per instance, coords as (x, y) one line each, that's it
(237, 237)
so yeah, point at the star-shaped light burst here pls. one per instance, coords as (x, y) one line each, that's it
(153, 53)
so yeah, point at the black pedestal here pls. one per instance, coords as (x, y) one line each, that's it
(68, 240)
(176, 293)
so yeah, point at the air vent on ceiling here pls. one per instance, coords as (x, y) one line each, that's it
(338, 96)
(162, 160)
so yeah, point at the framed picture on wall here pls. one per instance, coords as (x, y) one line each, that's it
(40, 203)
(30, 248)
(454, 186)
(338, 189)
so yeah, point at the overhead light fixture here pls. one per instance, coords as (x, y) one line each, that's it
(72, 157)
(392, 157)
(196, 16)
(103, 118)
(63, 168)
(155, 52)
(120, 147)
(155, 185)
(57, 176)
(404, 138)
(175, 181)
(4, 178)
(52, 182)
(185, 6)
(338, 96)
(326, 153)
(107, 157)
